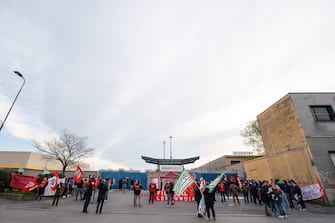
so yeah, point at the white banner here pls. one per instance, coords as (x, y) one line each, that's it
(171, 168)
(311, 192)
(51, 182)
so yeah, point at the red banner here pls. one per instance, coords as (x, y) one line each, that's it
(19, 181)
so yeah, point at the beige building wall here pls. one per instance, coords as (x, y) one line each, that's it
(32, 161)
(287, 156)
(285, 166)
(257, 169)
(280, 127)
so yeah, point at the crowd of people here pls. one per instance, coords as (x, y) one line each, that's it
(277, 196)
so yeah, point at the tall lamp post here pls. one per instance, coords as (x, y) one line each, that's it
(24, 81)
(164, 149)
(170, 147)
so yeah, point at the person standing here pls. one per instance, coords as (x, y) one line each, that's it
(172, 193)
(152, 191)
(234, 190)
(168, 189)
(103, 188)
(41, 188)
(58, 193)
(209, 202)
(197, 198)
(137, 193)
(277, 199)
(221, 188)
(87, 195)
(245, 189)
(265, 197)
(298, 194)
(79, 189)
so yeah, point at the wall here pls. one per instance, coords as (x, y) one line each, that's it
(295, 144)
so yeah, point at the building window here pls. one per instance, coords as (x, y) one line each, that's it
(323, 113)
(332, 157)
(234, 162)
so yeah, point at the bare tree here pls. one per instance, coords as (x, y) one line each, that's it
(68, 149)
(252, 137)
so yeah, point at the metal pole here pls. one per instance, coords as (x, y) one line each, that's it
(164, 149)
(170, 147)
(24, 81)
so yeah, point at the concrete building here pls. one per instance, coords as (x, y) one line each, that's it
(227, 163)
(32, 163)
(298, 133)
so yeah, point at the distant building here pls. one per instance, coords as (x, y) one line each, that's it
(31, 162)
(298, 134)
(227, 163)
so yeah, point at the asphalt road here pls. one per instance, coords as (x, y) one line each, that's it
(119, 209)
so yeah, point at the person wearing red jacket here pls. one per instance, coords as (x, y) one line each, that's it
(152, 191)
(221, 188)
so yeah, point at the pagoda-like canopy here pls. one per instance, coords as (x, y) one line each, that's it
(170, 161)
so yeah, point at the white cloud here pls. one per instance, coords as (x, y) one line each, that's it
(127, 75)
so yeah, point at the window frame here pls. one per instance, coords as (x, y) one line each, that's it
(320, 117)
(332, 157)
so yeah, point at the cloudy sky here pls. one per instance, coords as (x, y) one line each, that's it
(128, 74)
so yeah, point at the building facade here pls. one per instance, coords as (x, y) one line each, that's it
(298, 134)
(32, 163)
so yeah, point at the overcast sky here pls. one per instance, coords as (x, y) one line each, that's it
(129, 74)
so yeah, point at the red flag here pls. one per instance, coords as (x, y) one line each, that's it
(19, 181)
(323, 197)
(32, 185)
(78, 175)
(44, 182)
(54, 181)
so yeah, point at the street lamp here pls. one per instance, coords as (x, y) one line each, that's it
(170, 147)
(164, 149)
(24, 81)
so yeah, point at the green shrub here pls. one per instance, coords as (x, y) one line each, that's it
(4, 180)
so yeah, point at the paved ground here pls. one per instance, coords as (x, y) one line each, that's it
(119, 209)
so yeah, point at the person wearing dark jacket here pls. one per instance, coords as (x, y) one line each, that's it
(58, 193)
(209, 202)
(265, 197)
(87, 195)
(103, 188)
(197, 197)
(137, 187)
(297, 192)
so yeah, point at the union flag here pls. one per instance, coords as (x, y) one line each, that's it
(78, 175)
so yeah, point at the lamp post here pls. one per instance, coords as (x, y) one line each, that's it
(170, 147)
(164, 149)
(24, 81)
